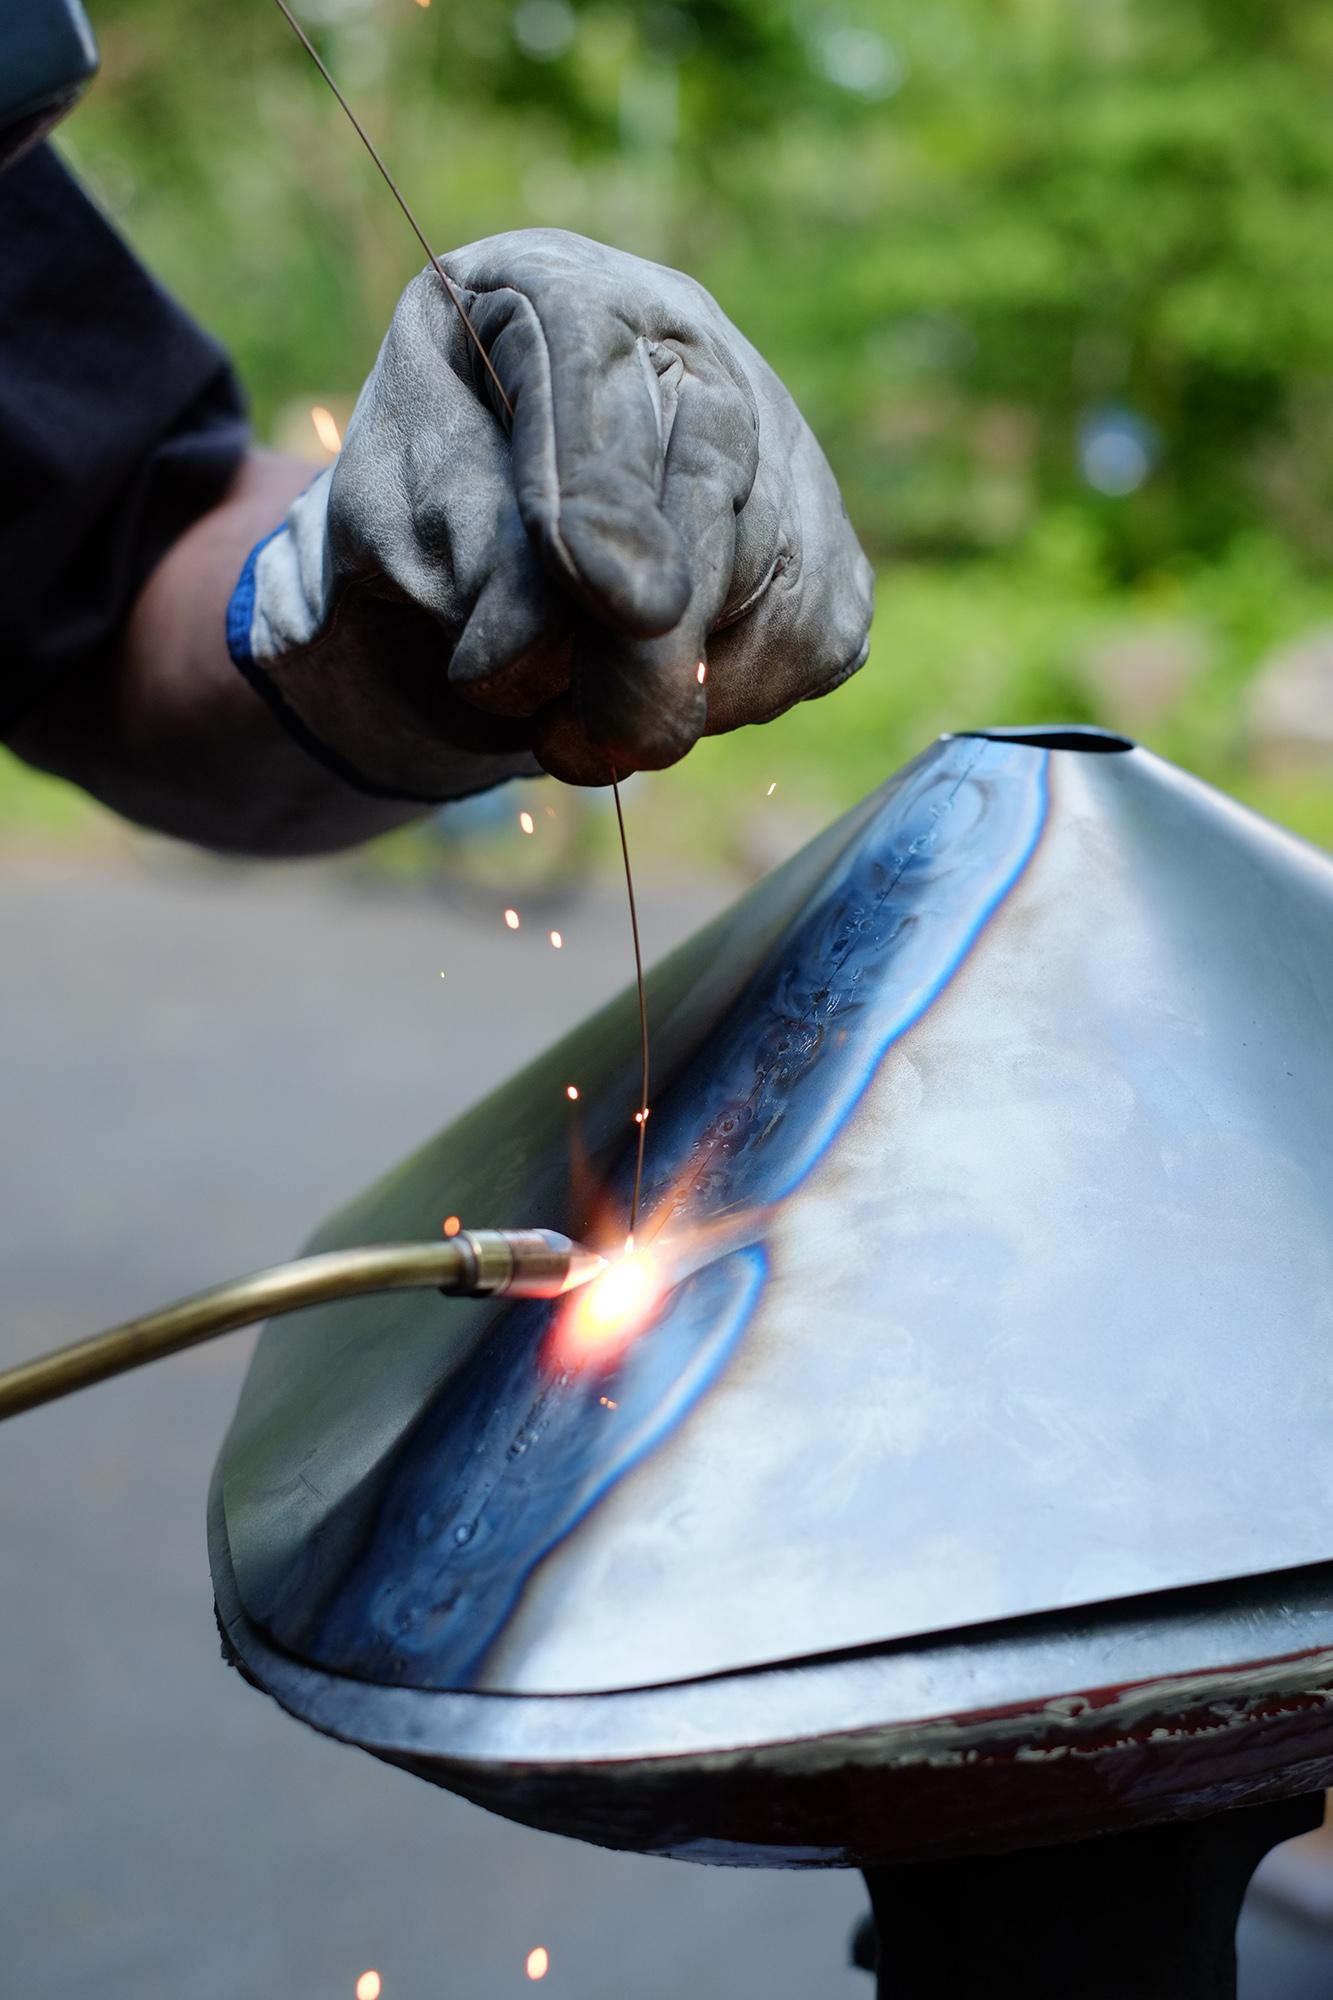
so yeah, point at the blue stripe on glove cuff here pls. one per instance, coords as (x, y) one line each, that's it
(241, 609)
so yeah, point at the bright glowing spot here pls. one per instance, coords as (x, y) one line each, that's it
(452, 1225)
(525, 821)
(608, 1403)
(326, 430)
(629, 1244)
(557, 941)
(369, 1986)
(539, 1962)
(614, 1306)
(701, 672)
(772, 788)
(423, 3)
(572, 1092)
(642, 1117)
(511, 918)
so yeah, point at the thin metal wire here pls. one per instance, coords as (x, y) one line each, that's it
(476, 340)
(643, 1007)
(401, 200)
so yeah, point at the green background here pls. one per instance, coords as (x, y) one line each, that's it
(971, 235)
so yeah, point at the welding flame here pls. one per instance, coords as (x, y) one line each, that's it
(603, 1317)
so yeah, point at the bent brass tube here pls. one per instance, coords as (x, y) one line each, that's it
(525, 1263)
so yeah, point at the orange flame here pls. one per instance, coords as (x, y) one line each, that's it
(603, 1317)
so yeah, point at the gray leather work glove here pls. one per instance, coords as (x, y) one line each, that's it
(454, 594)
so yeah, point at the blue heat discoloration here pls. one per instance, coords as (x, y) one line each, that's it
(875, 951)
(513, 1457)
(505, 1467)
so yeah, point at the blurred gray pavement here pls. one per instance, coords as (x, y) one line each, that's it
(197, 1063)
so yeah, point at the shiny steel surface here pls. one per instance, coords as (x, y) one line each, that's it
(991, 1148)
(1043, 1729)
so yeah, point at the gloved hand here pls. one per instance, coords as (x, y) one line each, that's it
(455, 594)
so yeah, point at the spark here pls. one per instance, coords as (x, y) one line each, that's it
(608, 1403)
(442, 975)
(772, 788)
(525, 821)
(452, 1225)
(642, 1117)
(701, 672)
(538, 1962)
(558, 943)
(511, 918)
(572, 1092)
(369, 1986)
(326, 428)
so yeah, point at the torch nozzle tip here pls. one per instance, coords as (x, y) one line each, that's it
(584, 1266)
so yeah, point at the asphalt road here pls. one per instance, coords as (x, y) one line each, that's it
(197, 1063)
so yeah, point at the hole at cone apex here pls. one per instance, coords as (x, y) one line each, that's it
(1073, 737)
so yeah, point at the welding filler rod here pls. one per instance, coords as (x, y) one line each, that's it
(474, 1264)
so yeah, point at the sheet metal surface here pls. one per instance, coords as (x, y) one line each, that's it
(1016, 1093)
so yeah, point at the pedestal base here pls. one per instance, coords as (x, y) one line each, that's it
(1149, 1915)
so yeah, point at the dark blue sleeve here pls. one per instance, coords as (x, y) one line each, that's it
(120, 423)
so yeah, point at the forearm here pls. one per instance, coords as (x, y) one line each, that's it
(175, 738)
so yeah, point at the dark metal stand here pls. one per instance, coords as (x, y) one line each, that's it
(1149, 1915)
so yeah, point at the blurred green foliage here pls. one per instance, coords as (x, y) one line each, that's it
(1053, 280)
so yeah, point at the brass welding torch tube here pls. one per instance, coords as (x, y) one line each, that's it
(477, 1263)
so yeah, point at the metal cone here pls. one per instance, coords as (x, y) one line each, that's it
(991, 1215)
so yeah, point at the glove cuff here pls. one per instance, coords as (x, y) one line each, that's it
(243, 628)
(365, 675)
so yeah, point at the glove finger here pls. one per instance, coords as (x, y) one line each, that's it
(643, 701)
(803, 627)
(798, 641)
(594, 395)
(513, 656)
(562, 747)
